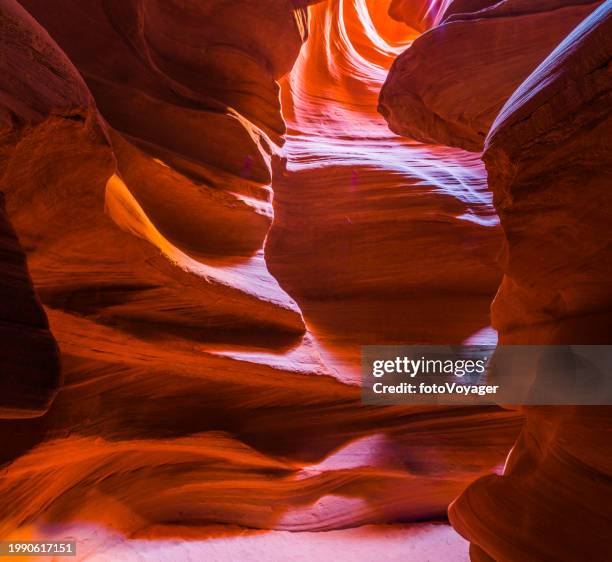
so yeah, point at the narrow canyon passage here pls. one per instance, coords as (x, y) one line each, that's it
(380, 239)
(204, 214)
(211, 385)
(207, 207)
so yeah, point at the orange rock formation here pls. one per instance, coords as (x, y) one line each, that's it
(548, 166)
(215, 218)
(449, 86)
(188, 369)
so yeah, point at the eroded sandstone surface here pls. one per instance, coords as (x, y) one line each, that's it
(197, 388)
(215, 218)
(549, 166)
(450, 84)
(543, 120)
(30, 374)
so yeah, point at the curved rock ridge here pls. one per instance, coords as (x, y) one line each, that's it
(150, 270)
(52, 83)
(449, 85)
(549, 164)
(240, 438)
(182, 83)
(59, 174)
(231, 440)
(115, 266)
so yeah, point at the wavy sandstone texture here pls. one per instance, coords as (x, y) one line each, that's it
(448, 87)
(139, 178)
(210, 333)
(550, 168)
(29, 360)
(367, 223)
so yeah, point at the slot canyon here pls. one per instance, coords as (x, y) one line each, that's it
(207, 208)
